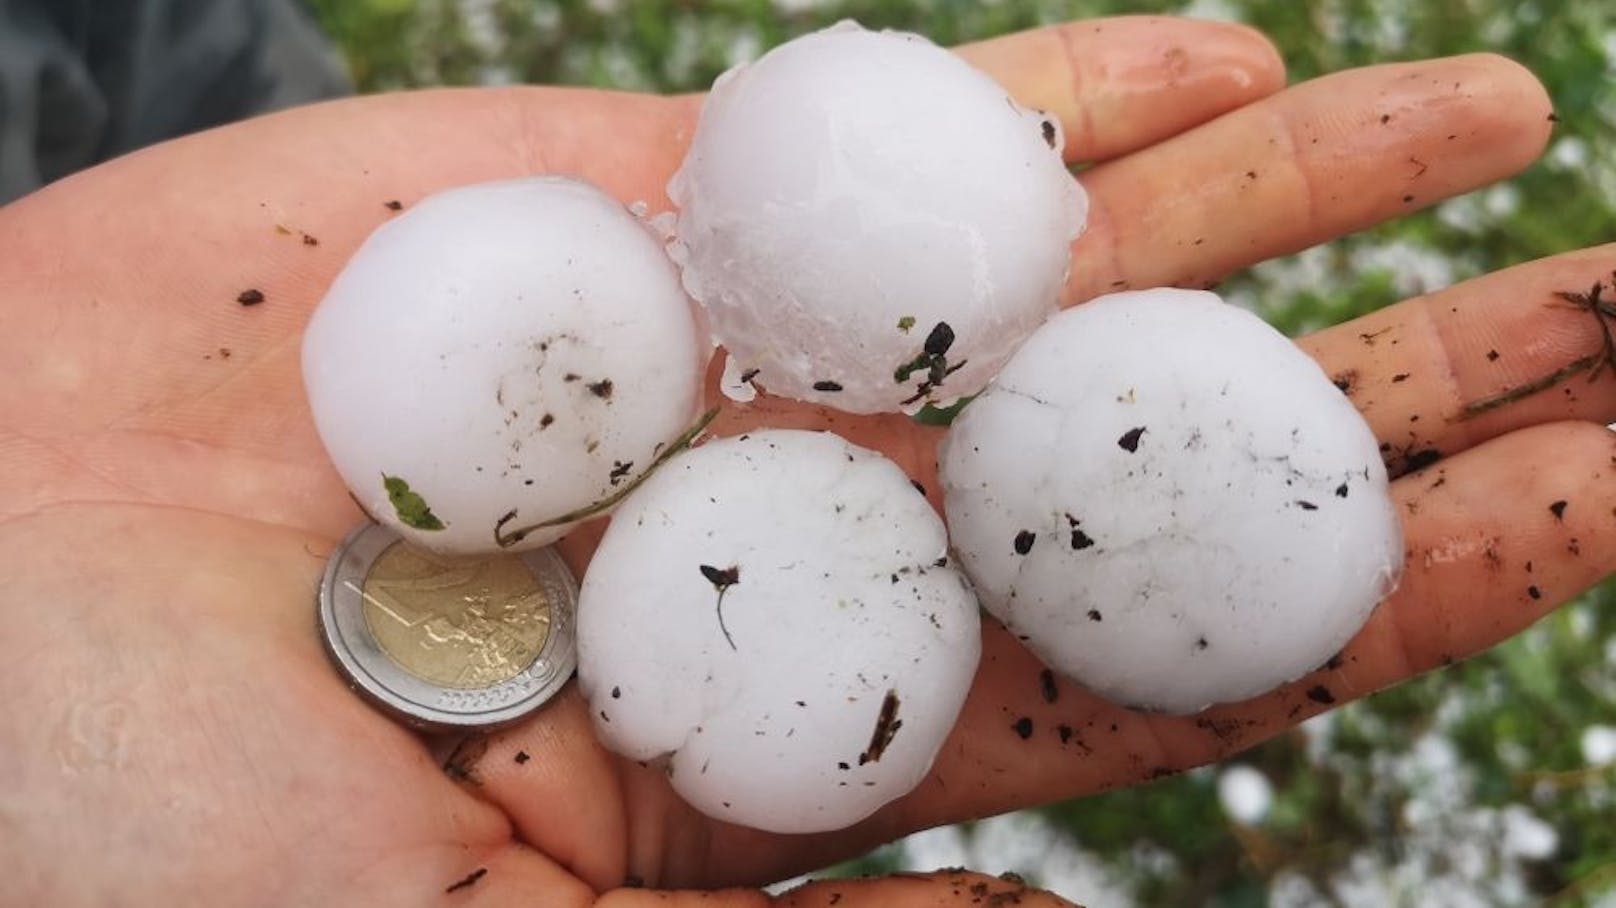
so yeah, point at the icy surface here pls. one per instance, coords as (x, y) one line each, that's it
(1171, 502)
(771, 615)
(851, 191)
(520, 346)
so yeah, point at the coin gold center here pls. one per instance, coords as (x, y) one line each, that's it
(456, 623)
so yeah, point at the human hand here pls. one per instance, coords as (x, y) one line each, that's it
(175, 733)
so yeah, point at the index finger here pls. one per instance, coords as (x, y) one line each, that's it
(1118, 85)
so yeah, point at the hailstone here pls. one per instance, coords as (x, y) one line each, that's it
(871, 223)
(500, 360)
(776, 617)
(1170, 502)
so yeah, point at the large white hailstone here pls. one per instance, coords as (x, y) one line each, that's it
(500, 356)
(776, 617)
(1170, 502)
(870, 222)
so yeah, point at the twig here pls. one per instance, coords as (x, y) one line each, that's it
(506, 540)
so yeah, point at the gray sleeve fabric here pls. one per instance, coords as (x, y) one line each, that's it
(85, 80)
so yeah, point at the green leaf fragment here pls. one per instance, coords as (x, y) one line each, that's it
(930, 415)
(902, 373)
(410, 506)
(905, 323)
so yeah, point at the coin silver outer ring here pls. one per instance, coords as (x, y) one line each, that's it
(418, 702)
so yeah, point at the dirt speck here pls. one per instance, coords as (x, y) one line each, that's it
(461, 761)
(1024, 541)
(1490, 556)
(1130, 439)
(887, 724)
(1419, 460)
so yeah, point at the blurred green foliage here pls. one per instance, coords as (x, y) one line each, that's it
(1343, 787)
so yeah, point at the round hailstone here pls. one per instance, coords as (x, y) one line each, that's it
(776, 616)
(498, 357)
(870, 222)
(1170, 502)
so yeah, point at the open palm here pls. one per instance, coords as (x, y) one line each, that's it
(173, 732)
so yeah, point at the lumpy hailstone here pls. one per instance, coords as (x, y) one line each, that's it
(775, 616)
(851, 191)
(519, 346)
(1171, 502)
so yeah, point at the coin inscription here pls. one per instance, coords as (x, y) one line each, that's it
(456, 623)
